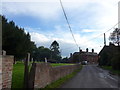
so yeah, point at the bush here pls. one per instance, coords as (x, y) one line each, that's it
(116, 61)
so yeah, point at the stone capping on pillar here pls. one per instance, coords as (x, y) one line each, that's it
(3, 52)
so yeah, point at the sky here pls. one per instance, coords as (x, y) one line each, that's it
(45, 21)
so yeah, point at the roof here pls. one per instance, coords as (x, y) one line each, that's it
(85, 53)
(110, 48)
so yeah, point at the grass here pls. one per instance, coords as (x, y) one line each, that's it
(61, 81)
(60, 64)
(112, 71)
(18, 73)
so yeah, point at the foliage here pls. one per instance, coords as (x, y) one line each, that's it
(41, 53)
(112, 71)
(76, 59)
(65, 60)
(55, 53)
(116, 61)
(103, 60)
(115, 36)
(107, 54)
(14, 40)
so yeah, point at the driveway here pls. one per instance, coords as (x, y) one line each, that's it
(92, 76)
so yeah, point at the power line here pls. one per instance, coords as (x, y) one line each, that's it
(96, 36)
(68, 23)
(102, 33)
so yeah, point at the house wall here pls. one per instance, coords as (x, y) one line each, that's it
(92, 59)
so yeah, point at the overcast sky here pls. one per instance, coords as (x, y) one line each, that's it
(45, 21)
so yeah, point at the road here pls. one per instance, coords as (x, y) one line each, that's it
(92, 76)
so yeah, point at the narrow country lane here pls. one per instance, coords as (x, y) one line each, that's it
(92, 76)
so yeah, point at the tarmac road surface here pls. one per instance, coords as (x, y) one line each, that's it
(92, 76)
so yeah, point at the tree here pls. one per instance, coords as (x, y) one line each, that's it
(15, 41)
(103, 60)
(65, 60)
(116, 61)
(55, 53)
(115, 36)
(41, 53)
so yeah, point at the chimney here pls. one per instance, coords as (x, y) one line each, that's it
(86, 49)
(70, 54)
(92, 50)
(80, 50)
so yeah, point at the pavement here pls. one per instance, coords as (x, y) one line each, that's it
(92, 76)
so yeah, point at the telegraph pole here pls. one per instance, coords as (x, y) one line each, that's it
(104, 40)
(79, 54)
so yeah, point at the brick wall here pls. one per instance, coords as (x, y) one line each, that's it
(45, 74)
(7, 66)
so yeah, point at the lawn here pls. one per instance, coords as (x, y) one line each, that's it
(111, 70)
(18, 73)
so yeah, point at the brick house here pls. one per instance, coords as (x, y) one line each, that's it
(91, 57)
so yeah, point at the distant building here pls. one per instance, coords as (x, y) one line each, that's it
(90, 57)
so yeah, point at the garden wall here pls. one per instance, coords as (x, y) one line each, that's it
(45, 74)
(6, 67)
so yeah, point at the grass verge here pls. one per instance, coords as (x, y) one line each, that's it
(112, 71)
(59, 82)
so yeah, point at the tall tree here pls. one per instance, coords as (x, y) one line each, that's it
(115, 36)
(14, 40)
(55, 53)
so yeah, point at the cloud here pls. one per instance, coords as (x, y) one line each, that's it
(67, 44)
(40, 10)
(88, 19)
(88, 30)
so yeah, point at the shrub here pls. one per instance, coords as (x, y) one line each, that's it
(116, 61)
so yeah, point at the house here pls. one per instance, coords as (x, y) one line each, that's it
(106, 54)
(90, 57)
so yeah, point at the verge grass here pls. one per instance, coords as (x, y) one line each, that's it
(58, 83)
(112, 71)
